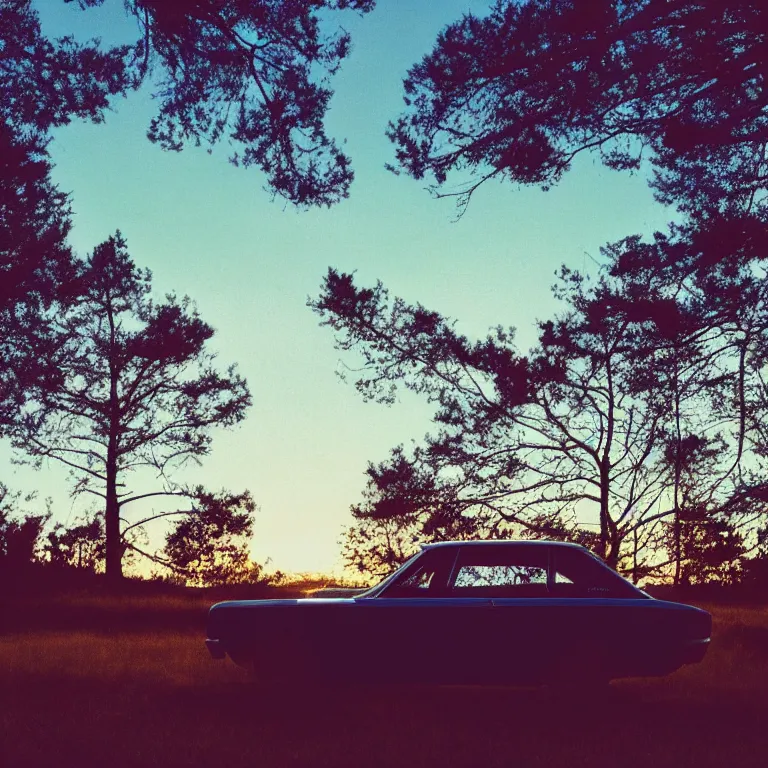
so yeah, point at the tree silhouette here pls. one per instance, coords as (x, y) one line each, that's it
(517, 94)
(403, 506)
(708, 358)
(209, 545)
(527, 440)
(45, 83)
(708, 545)
(20, 534)
(521, 92)
(674, 338)
(617, 410)
(377, 547)
(35, 271)
(137, 388)
(256, 73)
(79, 546)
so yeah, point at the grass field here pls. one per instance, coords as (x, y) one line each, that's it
(153, 697)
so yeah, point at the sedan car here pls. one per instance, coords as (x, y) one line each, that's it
(481, 612)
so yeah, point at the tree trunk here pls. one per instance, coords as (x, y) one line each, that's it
(677, 527)
(635, 577)
(677, 531)
(114, 544)
(608, 537)
(604, 533)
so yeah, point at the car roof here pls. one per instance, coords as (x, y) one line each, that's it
(504, 542)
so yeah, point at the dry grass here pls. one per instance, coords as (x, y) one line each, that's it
(154, 697)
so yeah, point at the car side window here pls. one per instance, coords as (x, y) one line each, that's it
(501, 571)
(499, 575)
(580, 574)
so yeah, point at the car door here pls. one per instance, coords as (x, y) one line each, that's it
(417, 631)
(425, 639)
(594, 614)
(510, 640)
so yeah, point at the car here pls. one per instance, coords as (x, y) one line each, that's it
(469, 612)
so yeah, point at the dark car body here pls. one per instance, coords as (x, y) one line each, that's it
(470, 612)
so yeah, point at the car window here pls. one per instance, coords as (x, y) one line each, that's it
(501, 571)
(499, 575)
(421, 578)
(427, 576)
(580, 574)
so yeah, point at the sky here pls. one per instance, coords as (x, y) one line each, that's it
(210, 231)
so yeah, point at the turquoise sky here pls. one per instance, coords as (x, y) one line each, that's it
(209, 230)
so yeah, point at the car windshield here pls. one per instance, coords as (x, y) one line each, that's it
(387, 579)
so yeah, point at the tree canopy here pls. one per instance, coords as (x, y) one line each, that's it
(254, 73)
(36, 270)
(519, 93)
(46, 83)
(515, 94)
